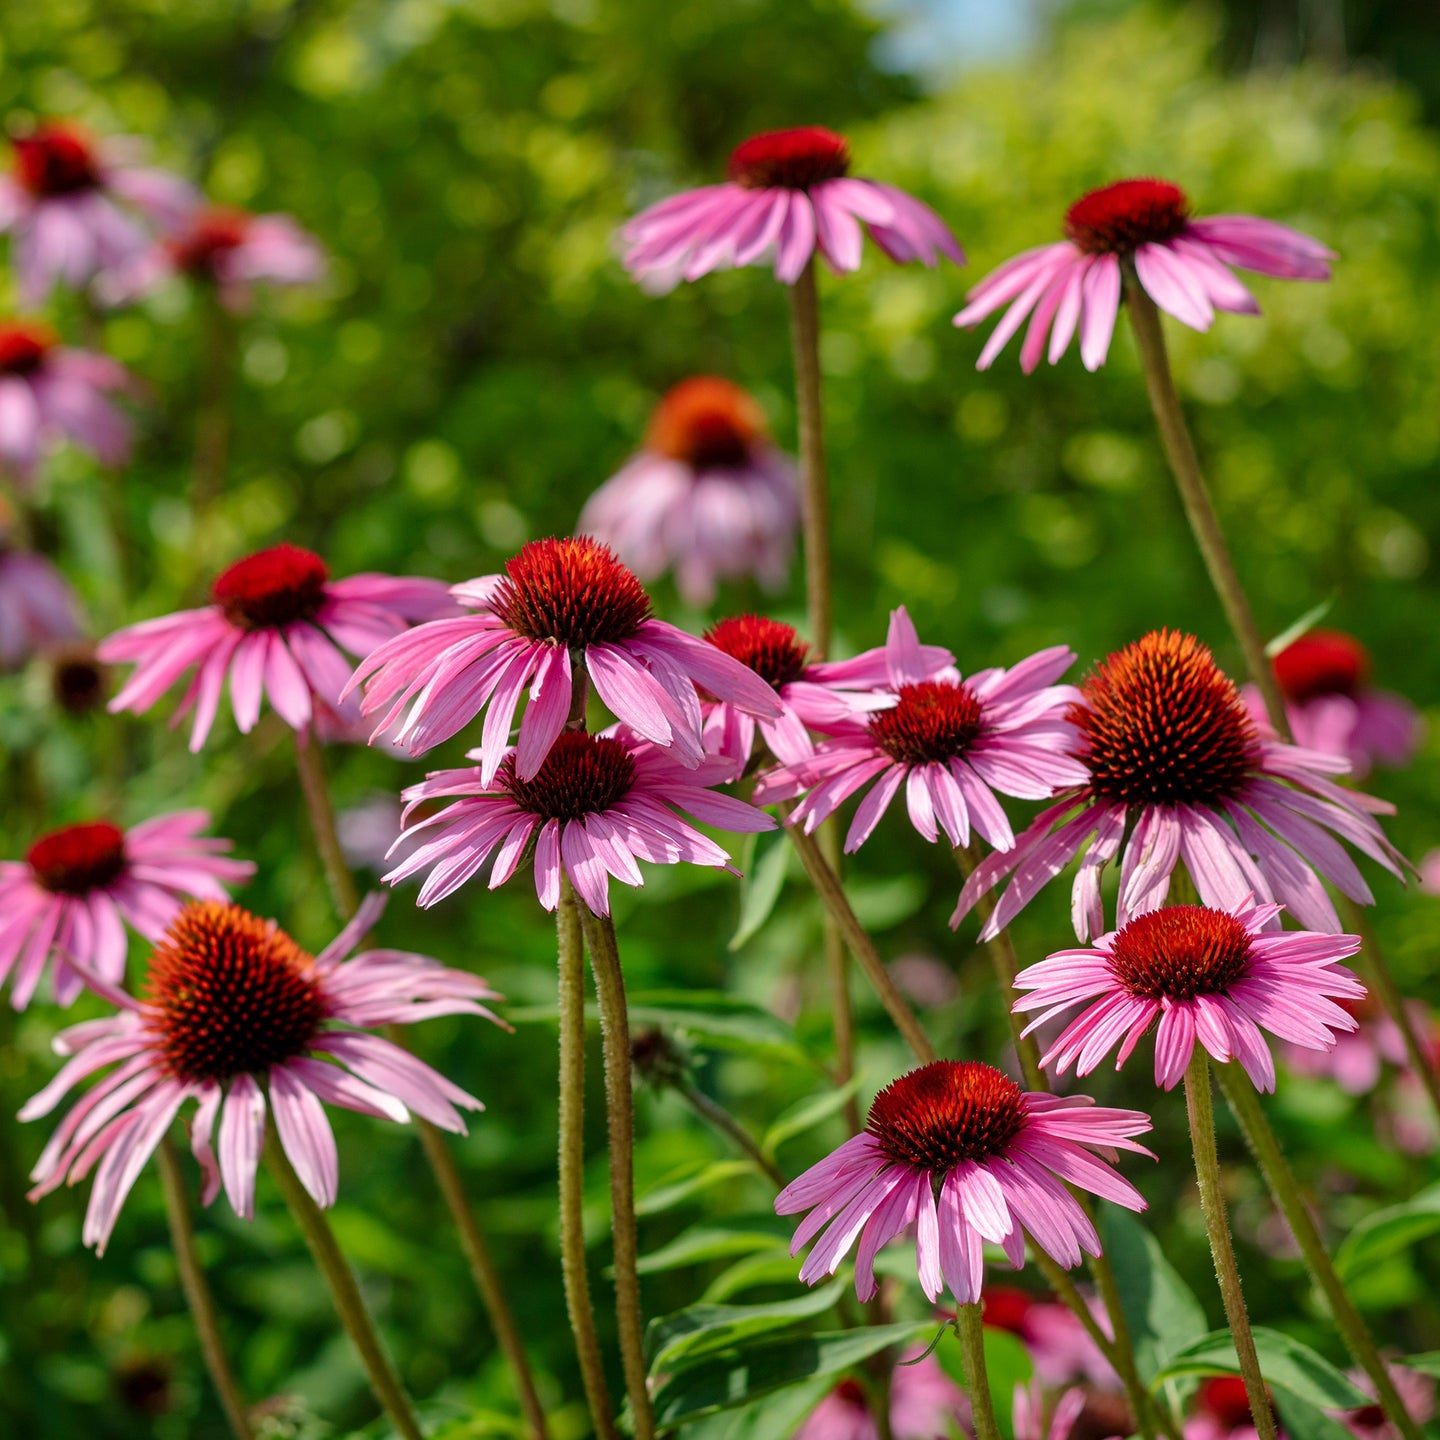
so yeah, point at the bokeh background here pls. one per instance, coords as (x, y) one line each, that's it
(478, 362)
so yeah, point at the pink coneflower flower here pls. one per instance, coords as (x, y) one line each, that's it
(924, 1403)
(77, 888)
(790, 195)
(951, 742)
(1179, 771)
(69, 206)
(1203, 974)
(1028, 1413)
(1356, 1061)
(228, 249)
(709, 496)
(1221, 1412)
(1325, 678)
(38, 608)
(559, 603)
(1144, 227)
(79, 684)
(49, 393)
(1059, 1346)
(237, 1017)
(997, 1156)
(1417, 1394)
(276, 626)
(820, 696)
(596, 805)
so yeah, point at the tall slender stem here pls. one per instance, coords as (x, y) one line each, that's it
(971, 1330)
(310, 763)
(349, 1303)
(1190, 480)
(212, 423)
(572, 1161)
(620, 1113)
(197, 1293)
(837, 971)
(815, 485)
(718, 1116)
(828, 886)
(1212, 1201)
(1265, 1147)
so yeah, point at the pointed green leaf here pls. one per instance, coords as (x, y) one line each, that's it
(1283, 1361)
(698, 1328)
(806, 1114)
(761, 887)
(1388, 1231)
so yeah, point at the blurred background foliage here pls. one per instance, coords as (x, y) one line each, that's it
(478, 362)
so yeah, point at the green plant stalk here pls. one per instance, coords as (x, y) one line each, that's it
(713, 1113)
(349, 1303)
(1212, 1201)
(572, 1161)
(1265, 1147)
(837, 971)
(620, 1116)
(310, 765)
(814, 482)
(197, 1293)
(971, 1332)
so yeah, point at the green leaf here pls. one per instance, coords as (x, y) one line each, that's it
(1007, 1364)
(777, 1417)
(1163, 1315)
(806, 1114)
(1302, 1421)
(743, 1235)
(720, 1380)
(1427, 1363)
(1291, 633)
(675, 1192)
(1383, 1233)
(1283, 1361)
(767, 1267)
(761, 886)
(697, 1328)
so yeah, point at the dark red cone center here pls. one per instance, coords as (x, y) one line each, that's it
(1118, 218)
(1180, 952)
(212, 233)
(706, 422)
(56, 159)
(24, 346)
(772, 650)
(1322, 662)
(791, 159)
(582, 775)
(272, 587)
(934, 720)
(79, 858)
(574, 592)
(947, 1112)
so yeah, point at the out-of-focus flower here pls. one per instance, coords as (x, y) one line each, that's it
(1180, 772)
(790, 196)
(998, 1155)
(79, 683)
(38, 609)
(709, 496)
(50, 393)
(1059, 1345)
(231, 1001)
(1356, 1061)
(1221, 1411)
(77, 888)
(1182, 263)
(924, 1403)
(597, 804)
(1028, 1413)
(1417, 1394)
(276, 626)
(70, 205)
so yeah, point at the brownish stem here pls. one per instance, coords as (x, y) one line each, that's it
(837, 971)
(814, 483)
(310, 763)
(717, 1115)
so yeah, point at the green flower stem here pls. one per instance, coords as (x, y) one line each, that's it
(1212, 1202)
(620, 1114)
(1265, 1147)
(717, 1115)
(814, 483)
(572, 1161)
(349, 1303)
(837, 971)
(971, 1330)
(310, 763)
(197, 1293)
(1190, 480)
(832, 894)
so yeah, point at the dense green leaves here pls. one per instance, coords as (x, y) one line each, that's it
(1283, 1361)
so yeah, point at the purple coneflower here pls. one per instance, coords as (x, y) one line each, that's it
(38, 608)
(1182, 263)
(924, 1402)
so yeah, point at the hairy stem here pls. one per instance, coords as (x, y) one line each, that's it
(815, 485)
(970, 1329)
(197, 1293)
(1212, 1201)
(310, 763)
(837, 971)
(1265, 1147)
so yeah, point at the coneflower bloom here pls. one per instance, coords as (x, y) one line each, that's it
(276, 626)
(559, 603)
(1028, 1412)
(79, 683)
(71, 203)
(924, 1402)
(709, 496)
(1146, 225)
(1179, 771)
(951, 742)
(227, 249)
(789, 196)
(818, 696)
(38, 608)
(50, 392)
(1221, 1411)
(1358, 1059)
(596, 805)
(995, 1155)
(1059, 1346)
(1324, 676)
(1196, 974)
(1417, 1394)
(236, 1016)
(78, 887)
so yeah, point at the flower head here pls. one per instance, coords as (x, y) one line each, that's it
(596, 805)
(77, 888)
(1221, 1411)
(996, 1155)
(1144, 228)
(951, 742)
(50, 393)
(71, 204)
(277, 625)
(1358, 1058)
(1203, 974)
(1180, 771)
(924, 1403)
(38, 609)
(1028, 1412)
(232, 1001)
(1417, 1394)
(1059, 1346)
(559, 603)
(708, 496)
(790, 195)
